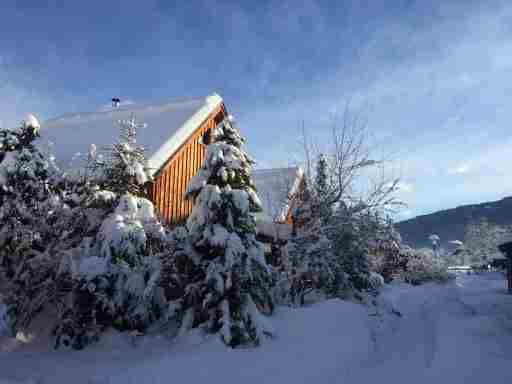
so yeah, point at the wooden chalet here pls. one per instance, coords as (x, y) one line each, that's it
(174, 135)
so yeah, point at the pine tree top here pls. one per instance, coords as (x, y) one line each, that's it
(226, 164)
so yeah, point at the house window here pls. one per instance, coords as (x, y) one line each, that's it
(218, 118)
(207, 137)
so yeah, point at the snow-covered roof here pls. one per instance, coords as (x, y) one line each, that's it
(275, 187)
(167, 127)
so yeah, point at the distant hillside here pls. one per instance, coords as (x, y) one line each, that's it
(449, 224)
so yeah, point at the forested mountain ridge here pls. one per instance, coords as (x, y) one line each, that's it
(449, 224)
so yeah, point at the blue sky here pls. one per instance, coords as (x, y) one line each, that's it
(433, 77)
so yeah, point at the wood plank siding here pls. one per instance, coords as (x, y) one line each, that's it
(170, 182)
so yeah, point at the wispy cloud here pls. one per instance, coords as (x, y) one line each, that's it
(440, 101)
(405, 187)
(460, 170)
(18, 97)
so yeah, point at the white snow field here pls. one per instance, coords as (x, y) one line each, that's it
(459, 332)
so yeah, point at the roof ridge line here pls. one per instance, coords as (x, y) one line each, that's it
(132, 106)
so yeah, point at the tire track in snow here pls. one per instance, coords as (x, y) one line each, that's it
(429, 333)
(409, 339)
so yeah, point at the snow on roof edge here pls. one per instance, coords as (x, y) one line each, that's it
(294, 175)
(160, 157)
(293, 191)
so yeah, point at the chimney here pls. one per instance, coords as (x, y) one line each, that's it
(115, 102)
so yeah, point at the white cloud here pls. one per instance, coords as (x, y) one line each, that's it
(460, 170)
(17, 100)
(405, 187)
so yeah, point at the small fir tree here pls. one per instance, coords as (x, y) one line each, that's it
(124, 168)
(322, 189)
(229, 282)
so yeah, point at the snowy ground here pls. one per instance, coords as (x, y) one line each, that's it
(459, 332)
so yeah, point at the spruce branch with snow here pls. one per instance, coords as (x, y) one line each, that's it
(228, 287)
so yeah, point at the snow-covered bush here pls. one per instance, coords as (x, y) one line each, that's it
(387, 256)
(311, 264)
(349, 242)
(115, 276)
(422, 266)
(108, 294)
(227, 279)
(376, 280)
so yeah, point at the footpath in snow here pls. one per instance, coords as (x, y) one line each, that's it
(460, 332)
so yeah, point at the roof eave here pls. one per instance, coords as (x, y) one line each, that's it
(162, 155)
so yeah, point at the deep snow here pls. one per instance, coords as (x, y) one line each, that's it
(459, 332)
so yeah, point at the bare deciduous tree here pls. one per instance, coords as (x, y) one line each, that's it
(352, 166)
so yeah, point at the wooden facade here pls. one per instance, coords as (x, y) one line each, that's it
(170, 181)
(294, 204)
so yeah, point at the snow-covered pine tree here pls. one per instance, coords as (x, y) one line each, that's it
(322, 189)
(24, 187)
(124, 168)
(116, 276)
(32, 224)
(321, 175)
(229, 281)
